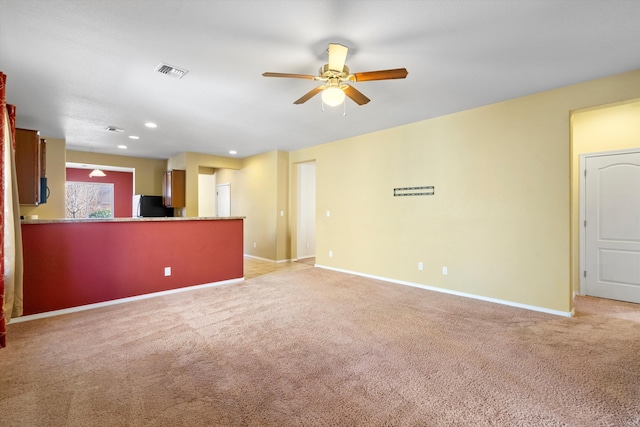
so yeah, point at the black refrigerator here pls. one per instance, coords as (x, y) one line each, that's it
(150, 206)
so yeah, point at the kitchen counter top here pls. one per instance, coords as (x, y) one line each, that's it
(146, 219)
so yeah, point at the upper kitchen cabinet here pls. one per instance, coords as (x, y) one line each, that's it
(31, 167)
(173, 189)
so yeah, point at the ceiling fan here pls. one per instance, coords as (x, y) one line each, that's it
(335, 74)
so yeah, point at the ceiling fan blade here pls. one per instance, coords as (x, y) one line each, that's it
(294, 76)
(307, 96)
(397, 73)
(337, 56)
(356, 95)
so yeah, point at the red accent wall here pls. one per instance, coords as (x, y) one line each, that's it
(122, 188)
(78, 263)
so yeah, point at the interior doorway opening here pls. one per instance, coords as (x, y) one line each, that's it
(306, 210)
(596, 131)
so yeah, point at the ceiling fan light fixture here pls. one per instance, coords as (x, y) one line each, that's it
(334, 74)
(333, 96)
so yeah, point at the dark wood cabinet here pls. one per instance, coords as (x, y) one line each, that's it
(173, 189)
(31, 167)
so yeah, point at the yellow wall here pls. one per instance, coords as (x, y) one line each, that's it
(148, 172)
(283, 235)
(608, 128)
(258, 201)
(191, 163)
(259, 193)
(500, 216)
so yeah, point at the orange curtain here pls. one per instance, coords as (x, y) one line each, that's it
(3, 126)
(10, 232)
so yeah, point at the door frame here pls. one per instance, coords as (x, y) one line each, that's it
(583, 208)
(299, 219)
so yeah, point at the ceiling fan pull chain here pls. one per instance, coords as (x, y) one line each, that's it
(344, 108)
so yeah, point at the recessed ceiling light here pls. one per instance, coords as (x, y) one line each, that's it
(122, 147)
(233, 152)
(151, 125)
(134, 137)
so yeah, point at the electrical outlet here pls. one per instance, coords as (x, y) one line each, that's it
(445, 270)
(281, 213)
(420, 266)
(167, 271)
(330, 254)
(254, 244)
(328, 214)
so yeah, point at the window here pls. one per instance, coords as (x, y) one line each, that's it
(89, 200)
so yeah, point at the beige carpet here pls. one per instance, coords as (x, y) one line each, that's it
(314, 347)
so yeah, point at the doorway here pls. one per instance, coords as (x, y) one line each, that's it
(610, 237)
(306, 209)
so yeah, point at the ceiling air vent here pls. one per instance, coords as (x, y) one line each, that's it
(114, 129)
(172, 71)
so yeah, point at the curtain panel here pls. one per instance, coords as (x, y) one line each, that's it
(10, 232)
(3, 127)
(12, 228)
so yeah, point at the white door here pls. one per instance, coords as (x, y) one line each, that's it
(223, 200)
(612, 227)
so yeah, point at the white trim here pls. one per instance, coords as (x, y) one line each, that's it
(91, 166)
(583, 207)
(257, 257)
(460, 294)
(267, 259)
(120, 301)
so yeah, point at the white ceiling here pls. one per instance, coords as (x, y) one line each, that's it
(75, 67)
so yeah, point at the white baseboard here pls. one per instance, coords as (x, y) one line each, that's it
(267, 259)
(224, 282)
(457, 293)
(119, 301)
